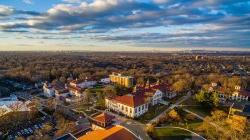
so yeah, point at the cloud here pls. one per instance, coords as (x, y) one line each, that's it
(5, 10)
(28, 1)
(206, 19)
(72, 1)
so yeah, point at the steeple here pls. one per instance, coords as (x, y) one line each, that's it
(158, 82)
(147, 84)
(135, 89)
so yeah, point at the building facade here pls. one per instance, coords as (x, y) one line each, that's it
(48, 90)
(126, 81)
(130, 105)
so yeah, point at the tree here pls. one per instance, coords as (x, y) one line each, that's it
(109, 91)
(180, 85)
(220, 126)
(209, 99)
(174, 115)
(140, 81)
(150, 129)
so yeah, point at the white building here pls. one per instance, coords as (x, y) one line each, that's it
(238, 95)
(154, 96)
(48, 90)
(130, 105)
(62, 93)
(9, 104)
(105, 81)
(83, 84)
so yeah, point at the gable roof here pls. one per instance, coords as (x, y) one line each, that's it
(114, 133)
(131, 100)
(103, 117)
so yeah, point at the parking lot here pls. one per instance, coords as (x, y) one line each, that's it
(29, 128)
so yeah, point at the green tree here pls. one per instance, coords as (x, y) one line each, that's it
(209, 99)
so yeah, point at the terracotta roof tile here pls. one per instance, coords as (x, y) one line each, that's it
(131, 100)
(114, 133)
(104, 117)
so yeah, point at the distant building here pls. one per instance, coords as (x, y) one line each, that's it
(83, 83)
(238, 95)
(198, 57)
(48, 90)
(129, 105)
(77, 87)
(11, 103)
(127, 81)
(105, 80)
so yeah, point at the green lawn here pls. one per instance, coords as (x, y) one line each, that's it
(152, 112)
(199, 110)
(82, 107)
(170, 134)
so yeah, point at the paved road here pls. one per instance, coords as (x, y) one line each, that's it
(179, 101)
(134, 126)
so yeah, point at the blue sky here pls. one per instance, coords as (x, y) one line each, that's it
(124, 25)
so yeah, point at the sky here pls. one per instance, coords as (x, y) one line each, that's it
(124, 25)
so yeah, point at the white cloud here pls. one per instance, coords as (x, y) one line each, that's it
(28, 1)
(161, 1)
(72, 1)
(5, 10)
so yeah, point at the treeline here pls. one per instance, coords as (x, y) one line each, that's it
(181, 71)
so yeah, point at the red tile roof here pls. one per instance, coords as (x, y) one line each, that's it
(114, 133)
(131, 100)
(104, 117)
(245, 93)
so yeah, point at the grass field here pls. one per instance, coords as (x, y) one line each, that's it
(152, 112)
(171, 134)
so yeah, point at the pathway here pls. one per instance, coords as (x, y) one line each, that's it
(192, 132)
(179, 101)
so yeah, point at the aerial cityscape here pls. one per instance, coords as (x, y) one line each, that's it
(124, 70)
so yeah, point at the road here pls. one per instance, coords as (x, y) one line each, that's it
(179, 101)
(134, 126)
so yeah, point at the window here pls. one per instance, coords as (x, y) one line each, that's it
(135, 110)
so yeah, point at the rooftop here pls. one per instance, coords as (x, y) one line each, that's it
(103, 117)
(114, 133)
(131, 100)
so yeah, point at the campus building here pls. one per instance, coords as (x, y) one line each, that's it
(131, 105)
(48, 90)
(127, 81)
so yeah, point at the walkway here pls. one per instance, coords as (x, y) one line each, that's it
(202, 118)
(182, 99)
(192, 132)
